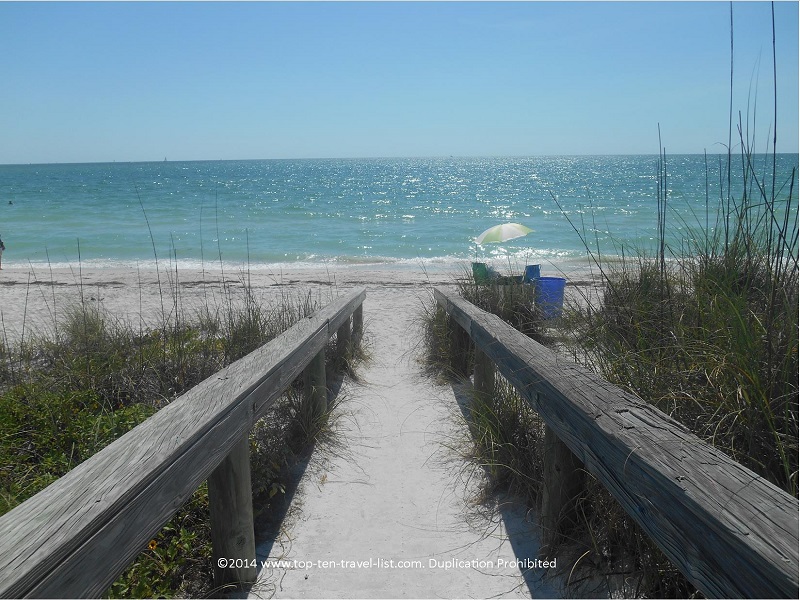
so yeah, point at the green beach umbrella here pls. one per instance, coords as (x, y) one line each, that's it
(501, 233)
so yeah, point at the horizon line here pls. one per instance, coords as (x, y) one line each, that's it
(419, 157)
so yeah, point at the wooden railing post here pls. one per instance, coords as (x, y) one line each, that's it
(342, 340)
(483, 380)
(358, 323)
(230, 499)
(459, 351)
(563, 483)
(315, 385)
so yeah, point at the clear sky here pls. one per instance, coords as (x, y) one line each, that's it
(85, 82)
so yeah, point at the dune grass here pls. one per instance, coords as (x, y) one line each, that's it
(706, 329)
(67, 393)
(506, 433)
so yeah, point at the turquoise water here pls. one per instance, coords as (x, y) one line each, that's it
(301, 212)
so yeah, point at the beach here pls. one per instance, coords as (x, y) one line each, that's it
(35, 299)
(424, 326)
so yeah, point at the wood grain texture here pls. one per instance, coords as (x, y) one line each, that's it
(74, 537)
(343, 340)
(562, 485)
(230, 503)
(483, 375)
(358, 323)
(731, 532)
(315, 385)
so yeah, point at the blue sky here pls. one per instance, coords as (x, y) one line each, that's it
(85, 82)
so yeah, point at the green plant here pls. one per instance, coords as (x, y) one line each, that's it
(66, 395)
(507, 439)
(436, 325)
(177, 561)
(505, 432)
(710, 337)
(47, 433)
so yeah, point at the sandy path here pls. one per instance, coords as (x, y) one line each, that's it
(398, 492)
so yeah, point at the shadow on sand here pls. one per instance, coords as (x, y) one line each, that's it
(269, 524)
(519, 520)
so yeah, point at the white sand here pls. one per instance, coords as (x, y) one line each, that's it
(397, 491)
(394, 514)
(33, 300)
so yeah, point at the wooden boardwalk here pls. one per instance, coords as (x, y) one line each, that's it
(391, 513)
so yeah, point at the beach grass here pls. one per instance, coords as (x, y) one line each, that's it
(708, 331)
(506, 434)
(67, 392)
(507, 439)
(513, 303)
(705, 328)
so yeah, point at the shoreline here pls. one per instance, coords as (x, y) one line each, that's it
(35, 300)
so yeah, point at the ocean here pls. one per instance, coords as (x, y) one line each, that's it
(296, 213)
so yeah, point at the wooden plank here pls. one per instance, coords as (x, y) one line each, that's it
(459, 355)
(315, 384)
(74, 538)
(230, 502)
(444, 300)
(732, 533)
(358, 323)
(351, 302)
(459, 336)
(483, 375)
(562, 485)
(94, 564)
(342, 341)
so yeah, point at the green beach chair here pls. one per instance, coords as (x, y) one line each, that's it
(480, 273)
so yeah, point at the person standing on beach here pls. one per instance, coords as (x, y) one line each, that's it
(2, 247)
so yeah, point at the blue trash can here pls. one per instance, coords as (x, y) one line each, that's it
(550, 296)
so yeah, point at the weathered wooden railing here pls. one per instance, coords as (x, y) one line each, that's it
(732, 533)
(76, 536)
